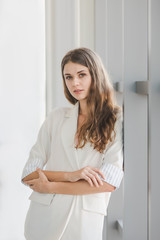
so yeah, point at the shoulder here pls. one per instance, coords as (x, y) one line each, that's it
(55, 116)
(59, 113)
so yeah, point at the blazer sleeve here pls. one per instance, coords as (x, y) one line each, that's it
(112, 164)
(39, 152)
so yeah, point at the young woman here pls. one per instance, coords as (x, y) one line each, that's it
(81, 150)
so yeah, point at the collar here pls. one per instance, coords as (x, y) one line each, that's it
(73, 111)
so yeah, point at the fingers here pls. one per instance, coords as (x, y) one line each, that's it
(99, 172)
(96, 179)
(41, 174)
(30, 182)
(89, 181)
(91, 175)
(34, 187)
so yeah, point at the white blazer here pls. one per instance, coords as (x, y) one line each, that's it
(54, 150)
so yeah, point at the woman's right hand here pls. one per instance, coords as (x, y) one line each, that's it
(90, 174)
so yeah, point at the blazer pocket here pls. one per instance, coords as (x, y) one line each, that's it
(96, 204)
(42, 198)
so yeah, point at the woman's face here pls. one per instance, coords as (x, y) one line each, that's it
(78, 80)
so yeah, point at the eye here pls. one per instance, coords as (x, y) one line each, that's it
(68, 77)
(81, 75)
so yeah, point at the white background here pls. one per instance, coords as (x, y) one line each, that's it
(22, 104)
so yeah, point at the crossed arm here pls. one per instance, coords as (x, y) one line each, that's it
(81, 182)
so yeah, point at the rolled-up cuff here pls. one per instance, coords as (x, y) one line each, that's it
(31, 167)
(113, 175)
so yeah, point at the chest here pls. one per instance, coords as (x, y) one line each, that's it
(64, 156)
(80, 121)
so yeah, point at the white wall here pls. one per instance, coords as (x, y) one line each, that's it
(69, 24)
(22, 104)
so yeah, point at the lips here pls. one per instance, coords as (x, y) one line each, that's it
(78, 91)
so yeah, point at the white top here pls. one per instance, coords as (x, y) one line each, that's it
(54, 150)
(113, 175)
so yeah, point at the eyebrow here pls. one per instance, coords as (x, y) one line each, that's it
(77, 72)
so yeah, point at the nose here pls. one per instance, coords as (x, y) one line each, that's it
(75, 81)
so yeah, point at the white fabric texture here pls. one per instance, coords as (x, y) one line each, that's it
(39, 152)
(112, 161)
(53, 216)
(113, 175)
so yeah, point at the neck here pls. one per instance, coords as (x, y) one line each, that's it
(83, 107)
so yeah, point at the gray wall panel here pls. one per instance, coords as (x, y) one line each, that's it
(135, 121)
(109, 45)
(154, 116)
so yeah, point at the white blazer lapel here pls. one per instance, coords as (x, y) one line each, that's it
(68, 132)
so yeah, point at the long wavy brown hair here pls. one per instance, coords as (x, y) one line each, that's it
(102, 108)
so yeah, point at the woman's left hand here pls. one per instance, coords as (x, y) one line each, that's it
(40, 184)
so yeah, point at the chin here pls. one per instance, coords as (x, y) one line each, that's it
(79, 98)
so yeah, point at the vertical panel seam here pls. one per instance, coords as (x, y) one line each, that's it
(148, 104)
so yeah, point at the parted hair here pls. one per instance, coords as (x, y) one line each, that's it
(101, 105)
